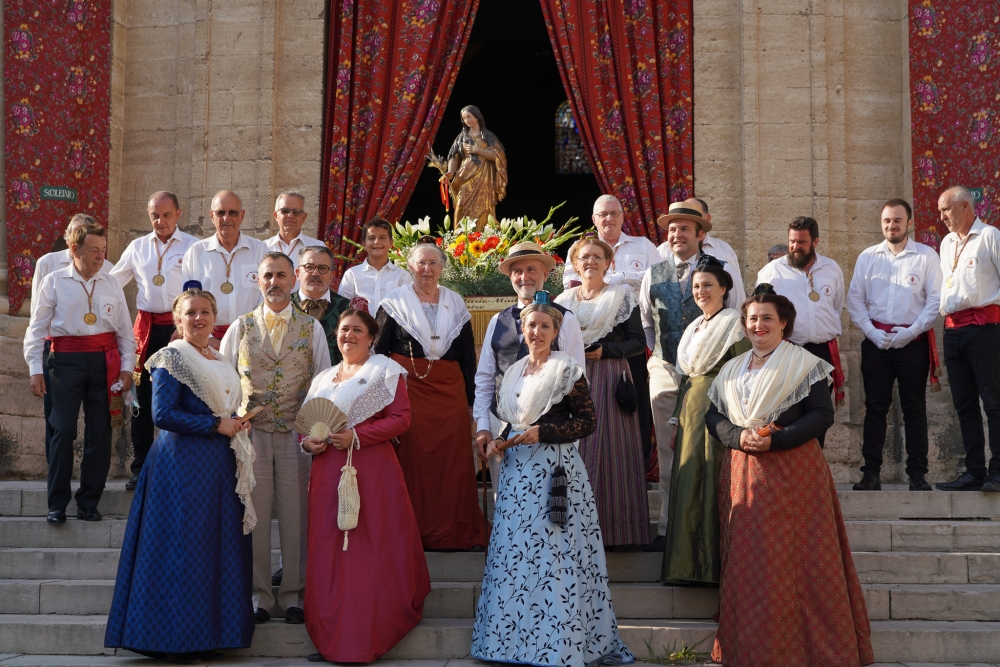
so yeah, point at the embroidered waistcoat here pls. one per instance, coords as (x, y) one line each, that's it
(279, 378)
(672, 312)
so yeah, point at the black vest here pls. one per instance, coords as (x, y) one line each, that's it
(508, 343)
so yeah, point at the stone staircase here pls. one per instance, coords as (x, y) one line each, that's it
(929, 564)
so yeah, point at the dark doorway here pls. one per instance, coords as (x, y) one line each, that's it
(509, 72)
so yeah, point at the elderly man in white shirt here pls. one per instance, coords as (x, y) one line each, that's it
(376, 276)
(815, 286)
(83, 311)
(154, 261)
(226, 263)
(970, 302)
(894, 298)
(290, 215)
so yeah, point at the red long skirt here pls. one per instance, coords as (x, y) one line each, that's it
(361, 602)
(437, 458)
(789, 593)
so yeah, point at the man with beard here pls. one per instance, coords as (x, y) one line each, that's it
(970, 302)
(894, 297)
(315, 273)
(266, 348)
(528, 267)
(815, 286)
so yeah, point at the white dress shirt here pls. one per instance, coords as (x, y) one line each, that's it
(230, 346)
(815, 321)
(205, 261)
(975, 281)
(903, 289)
(53, 261)
(141, 262)
(372, 284)
(724, 252)
(294, 248)
(633, 255)
(570, 341)
(61, 306)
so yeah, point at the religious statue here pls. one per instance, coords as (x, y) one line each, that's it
(476, 170)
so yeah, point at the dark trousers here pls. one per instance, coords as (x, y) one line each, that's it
(880, 369)
(142, 423)
(972, 356)
(75, 379)
(640, 378)
(821, 350)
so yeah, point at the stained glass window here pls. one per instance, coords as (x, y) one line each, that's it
(570, 155)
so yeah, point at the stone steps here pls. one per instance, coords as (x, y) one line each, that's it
(443, 639)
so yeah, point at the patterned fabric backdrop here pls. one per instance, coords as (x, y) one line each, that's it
(627, 69)
(955, 97)
(57, 81)
(390, 71)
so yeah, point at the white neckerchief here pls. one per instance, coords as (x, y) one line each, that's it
(217, 384)
(784, 380)
(368, 392)
(699, 351)
(609, 309)
(523, 400)
(403, 305)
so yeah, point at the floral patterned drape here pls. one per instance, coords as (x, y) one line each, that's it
(954, 101)
(57, 101)
(390, 71)
(627, 69)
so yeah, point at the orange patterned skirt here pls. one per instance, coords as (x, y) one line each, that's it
(789, 593)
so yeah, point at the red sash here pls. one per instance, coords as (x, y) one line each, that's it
(973, 317)
(220, 330)
(108, 344)
(935, 371)
(144, 322)
(838, 372)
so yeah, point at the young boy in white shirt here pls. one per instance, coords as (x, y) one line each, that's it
(376, 276)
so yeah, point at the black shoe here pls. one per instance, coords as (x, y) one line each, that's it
(992, 484)
(294, 616)
(659, 544)
(276, 577)
(918, 483)
(130, 485)
(261, 616)
(56, 517)
(870, 481)
(88, 514)
(965, 482)
(316, 657)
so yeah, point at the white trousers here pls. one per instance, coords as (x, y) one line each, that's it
(663, 385)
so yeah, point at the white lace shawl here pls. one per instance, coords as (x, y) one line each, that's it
(403, 305)
(217, 384)
(523, 399)
(611, 307)
(360, 397)
(783, 381)
(699, 351)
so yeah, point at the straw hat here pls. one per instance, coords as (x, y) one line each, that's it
(682, 211)
(526, 250)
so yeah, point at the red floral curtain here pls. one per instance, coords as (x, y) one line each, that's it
(954, 105)
(390, 71)
(627, 69)
(57, 102)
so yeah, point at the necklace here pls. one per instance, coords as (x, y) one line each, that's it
(959, 249)
(761, 359)
(203, 350)
(581, 297)
(90, 319)
(708, 318)
(342, 377)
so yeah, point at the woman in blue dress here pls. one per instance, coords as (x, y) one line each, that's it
(545, 598)
(184, 577)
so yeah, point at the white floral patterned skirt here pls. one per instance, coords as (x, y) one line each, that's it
(545, 598)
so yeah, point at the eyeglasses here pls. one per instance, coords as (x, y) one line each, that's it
(221, 213)
(608, 214)
(427, 265)
(321, 269)
(592, 258)
(294, 211)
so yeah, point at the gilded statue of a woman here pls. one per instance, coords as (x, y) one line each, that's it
(477, 170)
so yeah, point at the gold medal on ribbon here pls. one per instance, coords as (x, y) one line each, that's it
(950, 282)
(227, 287)
(90, 318)
(158, 279)
(814, 296)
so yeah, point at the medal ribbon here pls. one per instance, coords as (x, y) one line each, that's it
(229, 264)
(159, 255)
(90, 299)
(959, 249)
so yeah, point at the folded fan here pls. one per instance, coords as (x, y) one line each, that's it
(318, 417)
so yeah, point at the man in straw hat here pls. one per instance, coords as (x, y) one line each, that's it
(667, 308)
(528, 267)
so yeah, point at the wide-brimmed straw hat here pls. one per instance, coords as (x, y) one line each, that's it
(526, 250)
(682, 211)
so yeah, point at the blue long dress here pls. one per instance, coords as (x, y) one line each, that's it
(184, 577)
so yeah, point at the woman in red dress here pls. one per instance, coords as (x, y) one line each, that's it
(365, 589)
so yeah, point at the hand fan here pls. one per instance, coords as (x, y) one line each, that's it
(318, 417)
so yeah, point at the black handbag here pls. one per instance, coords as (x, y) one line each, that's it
(625, 394)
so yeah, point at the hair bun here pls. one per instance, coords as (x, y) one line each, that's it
(709, 260)
(764, 288)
